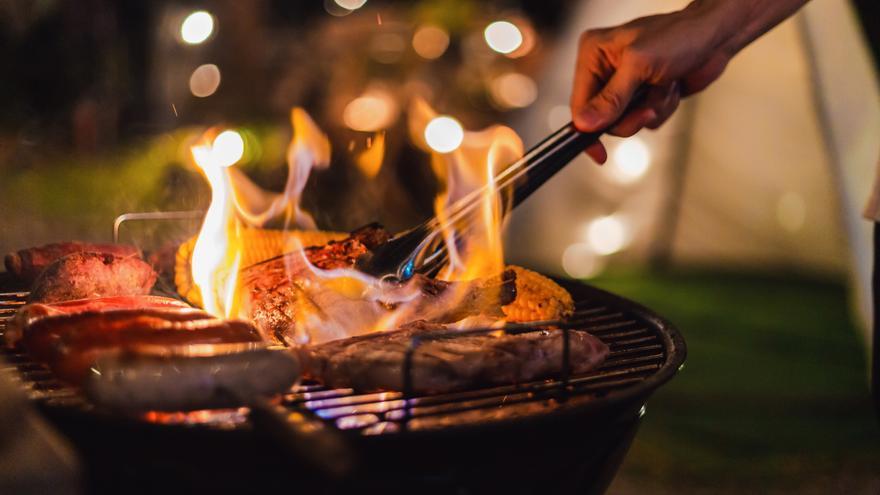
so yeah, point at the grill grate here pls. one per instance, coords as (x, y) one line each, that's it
(637, 345)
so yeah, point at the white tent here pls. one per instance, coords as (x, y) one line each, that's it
(768, 168)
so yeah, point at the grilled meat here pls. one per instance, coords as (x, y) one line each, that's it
(30, 313)
(70, 344)
(27, 264)
(84, 275)
(375, 362)
(177, 379)
(290, 302)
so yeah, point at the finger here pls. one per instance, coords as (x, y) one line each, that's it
(633, 122)
(597, 152)
(609, 104)
(590, 73)
(666, 106)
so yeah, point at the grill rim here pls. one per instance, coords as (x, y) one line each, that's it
(627, 398)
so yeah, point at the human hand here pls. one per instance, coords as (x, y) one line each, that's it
(671, 55)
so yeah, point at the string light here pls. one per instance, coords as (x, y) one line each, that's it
(197, 27)
(205, 80)
(444, 134)
(503, 37)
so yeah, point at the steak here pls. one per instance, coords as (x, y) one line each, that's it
(375, 362)
(293, 303)
(85, 275)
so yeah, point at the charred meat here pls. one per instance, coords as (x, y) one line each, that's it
(27, 264)
(291, 302)
(375, 362)
(85, 275)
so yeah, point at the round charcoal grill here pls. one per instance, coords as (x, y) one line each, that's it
(558, 435)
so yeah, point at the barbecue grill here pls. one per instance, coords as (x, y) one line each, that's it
(559, 435)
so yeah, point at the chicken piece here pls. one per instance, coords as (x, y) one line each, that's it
(27, 264)
(375, 362)
(85, 275)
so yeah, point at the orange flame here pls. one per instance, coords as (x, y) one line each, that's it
(217, 252)
(347, 302)
(467, 175)
(308, 149)
(237, 203)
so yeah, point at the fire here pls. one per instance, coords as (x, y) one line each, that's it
(467, 175)
(238, 204)
(217, 252)
(343, 302)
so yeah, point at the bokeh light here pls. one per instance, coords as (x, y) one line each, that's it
(513, 90)
(607, 235)
(791, 211)
(630, 160)
(558, 116)
(197, 27)
(373, 111)
(503, 37)
(227, 148)
(430, 41)
(205, 80)
(351, 4)
(580, 261)
(444, 134)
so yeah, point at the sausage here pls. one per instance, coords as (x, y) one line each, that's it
(174, 381)
(31, 313)
(87, 275)
(27, 264)
(70, 344)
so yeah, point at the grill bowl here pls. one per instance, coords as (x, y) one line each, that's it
(520, 438)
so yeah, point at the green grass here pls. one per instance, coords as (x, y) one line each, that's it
(774, 392)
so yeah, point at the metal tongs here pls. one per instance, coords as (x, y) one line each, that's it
(421, 249)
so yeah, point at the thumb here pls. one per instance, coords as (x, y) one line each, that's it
(609, 104)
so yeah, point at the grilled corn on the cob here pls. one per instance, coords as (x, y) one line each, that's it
(258, 245)
(537, 298)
